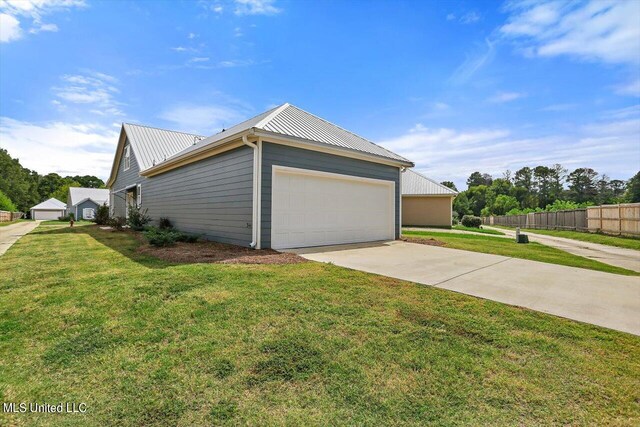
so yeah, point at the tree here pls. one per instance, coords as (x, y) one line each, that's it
(89, 181)
(504, 204)
(449, 184)
(478, 178)
(632, 195)
(18, 183)
(6, 204)
(461, 205)
(557, 175)
(48, 184)
(477, 198)
(582, 185)
(542, 183)
(524, 178)
(62, 192)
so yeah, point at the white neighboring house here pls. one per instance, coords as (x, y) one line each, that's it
(49, 209)
(84, 202)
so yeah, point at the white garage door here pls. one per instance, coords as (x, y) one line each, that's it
(311, 208)
(47, 214)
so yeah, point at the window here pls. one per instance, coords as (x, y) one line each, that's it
(88, 213)
(139, 195)
(127, 157)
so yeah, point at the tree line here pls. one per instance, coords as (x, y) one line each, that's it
(540, 188)
(22, 188)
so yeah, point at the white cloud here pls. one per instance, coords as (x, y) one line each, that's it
(598, 30)
(473, 63)
(30, 11)
(203, 119)
(558, 107)
(632, 88)
(217, 8)
(97, 89)
(451, 17)
(199, 59)
(470, 18)
(64, 148)
(502, 97)
(9, 28)
(609, 146)
(256, 7)
(191, 36)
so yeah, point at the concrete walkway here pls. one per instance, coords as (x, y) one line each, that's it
(603, 299)
(612, 255)
(12, 233)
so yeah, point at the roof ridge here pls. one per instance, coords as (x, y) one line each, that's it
(162, 129)
(271, 115)
(433, 181)
(346, 130)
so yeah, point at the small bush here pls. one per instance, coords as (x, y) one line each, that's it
(6, 204)
(67, 218)
(117, 222)
(138, 218)
(455, 218)
(102, 215)
(471, 221)
(165, 224)
(166, 237)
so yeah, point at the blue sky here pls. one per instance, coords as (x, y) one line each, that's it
(453, 86)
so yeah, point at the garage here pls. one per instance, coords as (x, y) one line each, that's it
(50, 209)
(312, 208)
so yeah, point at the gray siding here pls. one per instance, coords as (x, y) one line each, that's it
(211, 197)
(125, 179)
(83, 205)
(276, 154)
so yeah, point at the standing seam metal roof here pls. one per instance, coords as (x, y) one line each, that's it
(78, 194)
(155, 145)
(50, 204)
(292, 121)
(416, 184)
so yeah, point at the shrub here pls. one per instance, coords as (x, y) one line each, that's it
(67, 218)
(6, 204)
(167, 237)
(455, 218)
(138, 218)
(471, 221)
(102, 215)
(117, 222)
(165, 224)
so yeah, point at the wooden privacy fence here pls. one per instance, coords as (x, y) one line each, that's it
(610, 219)
(6, 216)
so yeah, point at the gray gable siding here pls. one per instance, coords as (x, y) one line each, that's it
(211, 197)
(125, 178)
(277, 154)
(86, 204)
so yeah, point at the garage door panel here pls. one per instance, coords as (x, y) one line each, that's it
(313, 208)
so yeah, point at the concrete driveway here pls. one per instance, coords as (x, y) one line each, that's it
(603, 299)
(612, 255)
(10, 234)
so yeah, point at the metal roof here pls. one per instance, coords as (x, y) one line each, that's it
(51, 204)
(153, 145)
(79, 194)
(291, 121)
(416, 184)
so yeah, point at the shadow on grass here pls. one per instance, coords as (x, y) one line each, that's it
(133, 245)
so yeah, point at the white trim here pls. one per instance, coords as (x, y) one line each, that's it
(330, 175)
(139, 195)
(322, 147)
(298, 171)
(84, 213)
(127, 157)
(259, 183)
(400, 204)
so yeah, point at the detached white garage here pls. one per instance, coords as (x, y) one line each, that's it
(48, 210)
(313, 208)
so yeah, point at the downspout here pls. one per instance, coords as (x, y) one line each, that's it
(254, 217)
(402, 169)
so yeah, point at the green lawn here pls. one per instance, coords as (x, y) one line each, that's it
(508, 247)
(478, 230)
(603, 239)
(85, 318)
(66, 223)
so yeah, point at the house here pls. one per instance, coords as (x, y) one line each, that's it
(282, 179)
(84, 202)
(425, 202)
(49, 209)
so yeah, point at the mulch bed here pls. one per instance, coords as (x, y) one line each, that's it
(218, 253)
(424, 241)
